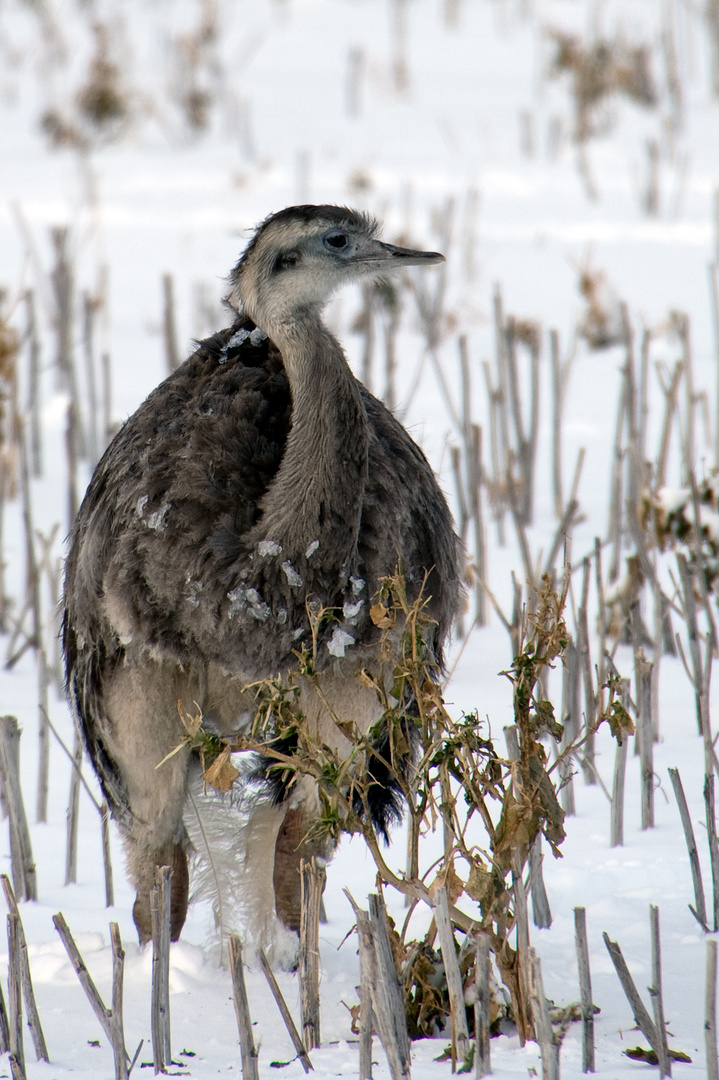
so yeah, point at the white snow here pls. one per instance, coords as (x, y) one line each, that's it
(672, 500)
(710, 521)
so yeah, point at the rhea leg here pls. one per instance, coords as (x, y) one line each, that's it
(294, 844)
(341, 697)
(144, 728)
(172, 855)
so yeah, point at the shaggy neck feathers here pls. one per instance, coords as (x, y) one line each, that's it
(318, 492)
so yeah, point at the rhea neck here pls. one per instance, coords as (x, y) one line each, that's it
(318, 491)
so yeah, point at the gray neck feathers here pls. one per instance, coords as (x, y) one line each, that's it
(318, 492)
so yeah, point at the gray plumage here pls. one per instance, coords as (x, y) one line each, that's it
(259, 476)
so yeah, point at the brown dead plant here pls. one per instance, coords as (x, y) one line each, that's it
(601, 72)
(100, 110)
(448, 771)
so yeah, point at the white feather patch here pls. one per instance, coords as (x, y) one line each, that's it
(234, 838)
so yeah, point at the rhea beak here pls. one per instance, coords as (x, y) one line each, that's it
(407, 257)
(387, 257)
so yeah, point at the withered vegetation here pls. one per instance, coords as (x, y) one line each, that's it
(687, 520)
(450, 773)
(101, 107)
(600, 71)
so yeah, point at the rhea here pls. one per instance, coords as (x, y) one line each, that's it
(259, 478)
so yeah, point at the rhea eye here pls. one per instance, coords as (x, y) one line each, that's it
(336, 241)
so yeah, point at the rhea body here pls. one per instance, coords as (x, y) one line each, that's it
(259, 477)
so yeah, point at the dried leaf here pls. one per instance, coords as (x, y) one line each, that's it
(453, 882)
(547, 799)
(367, 680)
(191, 724)
(517, 826)
(221, 774)
(381, 616)
(620, 722)
(638, 1053)
(547, 720)
(347, 728)
(480, 883)
(354, 1011)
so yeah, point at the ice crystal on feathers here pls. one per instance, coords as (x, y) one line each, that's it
(238, 601)
(339, 641)
(258, 608)
(193, 591)
(157, 521)
(357, 584)
(255, 337)
(269, 547)
(261, 612)
(243, 599)
(291, 574)
(312, 548)
(351, 608)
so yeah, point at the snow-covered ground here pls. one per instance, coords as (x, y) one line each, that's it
(408, 109)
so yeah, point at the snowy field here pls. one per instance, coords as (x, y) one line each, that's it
(441, 117)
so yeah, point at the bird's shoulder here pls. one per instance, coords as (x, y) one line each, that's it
(225, 412)
(237, 372)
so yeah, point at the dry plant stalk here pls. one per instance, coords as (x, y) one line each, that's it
(197, 77)
(160, 903)
(543, 1023)
(17, 1046)
(169, 328)
(9, 429)
(33, 1018)
(710, 1013)
(248, 1051)
(656, 994)
(699, 909)
(585, 986)
(312, 881)
(430, 756)
(600, 71)
(101, 108)
(110, 1019)
(285, 1013)
(22, 862)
